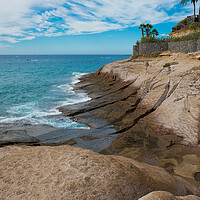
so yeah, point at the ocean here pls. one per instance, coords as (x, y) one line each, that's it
(32, 87)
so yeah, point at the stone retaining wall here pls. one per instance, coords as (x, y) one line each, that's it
(149, 48)
(184, 46)
(176, 47)
(136, 48)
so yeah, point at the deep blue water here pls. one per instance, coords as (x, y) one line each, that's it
(32, 87)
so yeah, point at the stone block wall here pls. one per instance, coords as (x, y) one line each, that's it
(149, 48)
(198, 45)
(184, 46)
(136, 48)
(192, 45)
(176, 47)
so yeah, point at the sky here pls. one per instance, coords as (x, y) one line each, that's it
(82, 26)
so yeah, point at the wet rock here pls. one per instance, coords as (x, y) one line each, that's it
(43, 135)
(23, 133)
(16, 136)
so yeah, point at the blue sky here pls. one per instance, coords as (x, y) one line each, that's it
(82, 26)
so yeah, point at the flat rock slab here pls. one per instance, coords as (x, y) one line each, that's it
(22, 133)
(40, 134)
(100, 137)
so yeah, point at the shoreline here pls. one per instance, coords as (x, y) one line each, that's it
(47, 135)
(111, 85)
(153, 105)
(143, 112)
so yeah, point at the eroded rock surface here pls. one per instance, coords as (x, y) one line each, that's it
(158, 97)
(161, 195)
(167, 98)
(154, 105)
(67, 172)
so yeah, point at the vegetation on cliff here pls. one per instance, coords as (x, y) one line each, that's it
(191, 36)
(190, 23)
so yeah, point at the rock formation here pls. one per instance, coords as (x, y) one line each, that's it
(153, 103)
(160, 195)
(70, 173)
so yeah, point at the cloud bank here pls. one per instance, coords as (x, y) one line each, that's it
(27, 19)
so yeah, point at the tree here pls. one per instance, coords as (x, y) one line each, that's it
(184, 2)
(142, 27)
(154, 32)
(148, 29)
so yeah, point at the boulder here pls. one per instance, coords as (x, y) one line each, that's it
(67, 172)
(161, 195)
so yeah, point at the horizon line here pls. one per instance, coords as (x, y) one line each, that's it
(59, 54)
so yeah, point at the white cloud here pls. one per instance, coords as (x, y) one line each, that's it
(28, 38)
(4, 45)
(8, 39)
(27, 19)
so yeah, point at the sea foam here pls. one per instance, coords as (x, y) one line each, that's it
(32, 113)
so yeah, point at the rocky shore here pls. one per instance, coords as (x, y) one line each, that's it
(153, 104)
(145, 112)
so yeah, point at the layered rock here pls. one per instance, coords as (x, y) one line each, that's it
(154, 106)
(167, 96)
(159, 97)
(67, 172)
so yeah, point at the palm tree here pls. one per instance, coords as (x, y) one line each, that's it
(184, 2)
(154, 32)
(142, 27)
(148, 28)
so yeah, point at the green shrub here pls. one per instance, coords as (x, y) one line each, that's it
(151, 39)
(193, 25)
(191, 36)
(184, 21)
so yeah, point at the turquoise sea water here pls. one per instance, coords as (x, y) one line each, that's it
(32, 87)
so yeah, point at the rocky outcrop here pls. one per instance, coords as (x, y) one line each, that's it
(73, 173)
(160, 195)
(159, 97)
(154, 106)
(168, 95)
